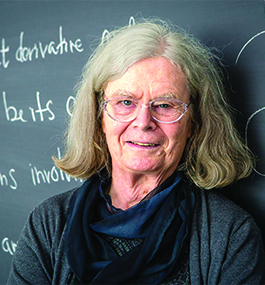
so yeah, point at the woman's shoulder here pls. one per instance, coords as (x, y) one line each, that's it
(218, 204)
(53, 210)
(57, 201)
(222, 214)
(228, 240)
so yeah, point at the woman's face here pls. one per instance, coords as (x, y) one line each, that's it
(145, 145)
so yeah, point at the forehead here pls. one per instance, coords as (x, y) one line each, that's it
(157, 76)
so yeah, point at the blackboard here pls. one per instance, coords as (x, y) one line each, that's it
(43, 47)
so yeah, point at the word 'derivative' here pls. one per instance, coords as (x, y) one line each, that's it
(26, 52)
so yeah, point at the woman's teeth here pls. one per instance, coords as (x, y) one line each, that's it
(143, 144)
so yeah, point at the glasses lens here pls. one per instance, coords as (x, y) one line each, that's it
(121, 108)
(167, 110)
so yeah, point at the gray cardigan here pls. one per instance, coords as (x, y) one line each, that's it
(225, 245)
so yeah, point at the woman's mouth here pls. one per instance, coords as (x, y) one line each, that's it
(143, 144)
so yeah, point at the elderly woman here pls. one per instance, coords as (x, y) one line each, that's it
(151, 133)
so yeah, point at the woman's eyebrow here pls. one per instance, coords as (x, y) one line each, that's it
(170, 95)
(121, 92)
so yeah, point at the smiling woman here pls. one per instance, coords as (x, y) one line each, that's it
(146, 150)
(151, 131)
(214, 154)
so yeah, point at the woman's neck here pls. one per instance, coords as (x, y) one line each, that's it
(128, 189)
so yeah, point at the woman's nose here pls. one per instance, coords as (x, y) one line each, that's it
(144, 120)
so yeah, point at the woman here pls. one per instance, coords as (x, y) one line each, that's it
(151, 133)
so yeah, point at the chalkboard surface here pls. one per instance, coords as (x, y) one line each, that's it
(43, 47)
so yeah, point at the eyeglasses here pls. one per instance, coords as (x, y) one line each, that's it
(163, 110)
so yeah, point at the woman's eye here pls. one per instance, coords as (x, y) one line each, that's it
(164, 106)
(127, 102)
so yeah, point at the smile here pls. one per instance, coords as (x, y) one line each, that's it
(144, 144)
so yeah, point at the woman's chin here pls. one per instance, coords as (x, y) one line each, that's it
(144, 165)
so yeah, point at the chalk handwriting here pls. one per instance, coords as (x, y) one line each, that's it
(106, 34)
(41, 110)
(8, 246)
(35, 114)
(17, 114)
(246, 133)
(54, 174)
(9, 179)
(4, 49)
(69, 104)
(131, 21)
(40, 50)
(247, 43)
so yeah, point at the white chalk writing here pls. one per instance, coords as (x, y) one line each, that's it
(14, 114)
(8, 179)
(106, 34)
(69, 104)
(8, 246)
(24, 53)
(246, 134)
(4, 49)
(39, 176)
(246, 44)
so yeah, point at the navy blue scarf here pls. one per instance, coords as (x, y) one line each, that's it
(161, 221)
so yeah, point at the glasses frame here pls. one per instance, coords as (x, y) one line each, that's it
(148, 105)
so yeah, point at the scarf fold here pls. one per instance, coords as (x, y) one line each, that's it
(162, 222)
